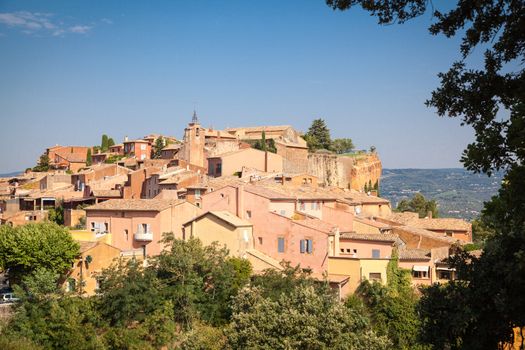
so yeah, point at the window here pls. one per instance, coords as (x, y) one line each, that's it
(93, 226)
(449, 233)
(342, 250)
(248, 214)
(376, 254)
(218, 169)
(420, 274)
(144, 228)
(126, 234)
(374, 276)
(106, 227)
(143, 147)
(280, 244)
(444, 275)
(198, 194)
(301, 205)
(260, 240)
(306, 246)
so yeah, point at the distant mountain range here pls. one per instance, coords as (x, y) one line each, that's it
(14, 173)
(459, 193)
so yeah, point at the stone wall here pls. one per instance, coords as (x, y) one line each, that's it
(217, 147)
(295, 158)
(343, 171)
(72, 217)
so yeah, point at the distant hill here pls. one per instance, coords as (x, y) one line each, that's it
(14, 173)
(459, 193)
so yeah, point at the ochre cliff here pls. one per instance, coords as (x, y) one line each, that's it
(366, 169)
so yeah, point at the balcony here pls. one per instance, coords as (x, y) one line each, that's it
(143, 236)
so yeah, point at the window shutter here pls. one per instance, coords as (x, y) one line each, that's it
(280, 245)
(148, 228)
(139, 228)
(309, 246)
(302, 246)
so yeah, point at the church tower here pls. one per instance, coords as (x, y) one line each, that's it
(194, 140)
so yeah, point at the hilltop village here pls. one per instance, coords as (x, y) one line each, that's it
(256, 190)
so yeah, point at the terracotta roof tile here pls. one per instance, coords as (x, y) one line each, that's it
(106, 193)
(224, 215)
(85, 246)
(136, 204)
(414, 254)
(412, 219)
(370, 236)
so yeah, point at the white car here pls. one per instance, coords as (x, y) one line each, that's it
(8, 298)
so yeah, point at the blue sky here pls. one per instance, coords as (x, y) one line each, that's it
(73, 70)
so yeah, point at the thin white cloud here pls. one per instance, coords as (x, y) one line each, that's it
(80, 29)
(36, 22)
(106, 20)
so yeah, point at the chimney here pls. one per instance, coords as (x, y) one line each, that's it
(126, 138)
(429, 214)
(240, 201)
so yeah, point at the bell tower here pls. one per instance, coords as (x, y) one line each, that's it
(194, 140)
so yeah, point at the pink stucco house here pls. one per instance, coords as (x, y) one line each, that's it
(308, 231)
(231, 162)
(138, 224)
(276, 234)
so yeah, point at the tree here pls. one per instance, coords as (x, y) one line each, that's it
(56, 214)
(481, 230)
(264, 146)
(89, 160)
(43, 163)
(24, 249)
(392, 308)
(491, 100)
(301, 319)
(128, 292)
(419, 204)
(49, 319)
(199, 280)
(104, 143)
(111, 142)
(273, 283)
(160, 143)
(343, 145)
(318, 136)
